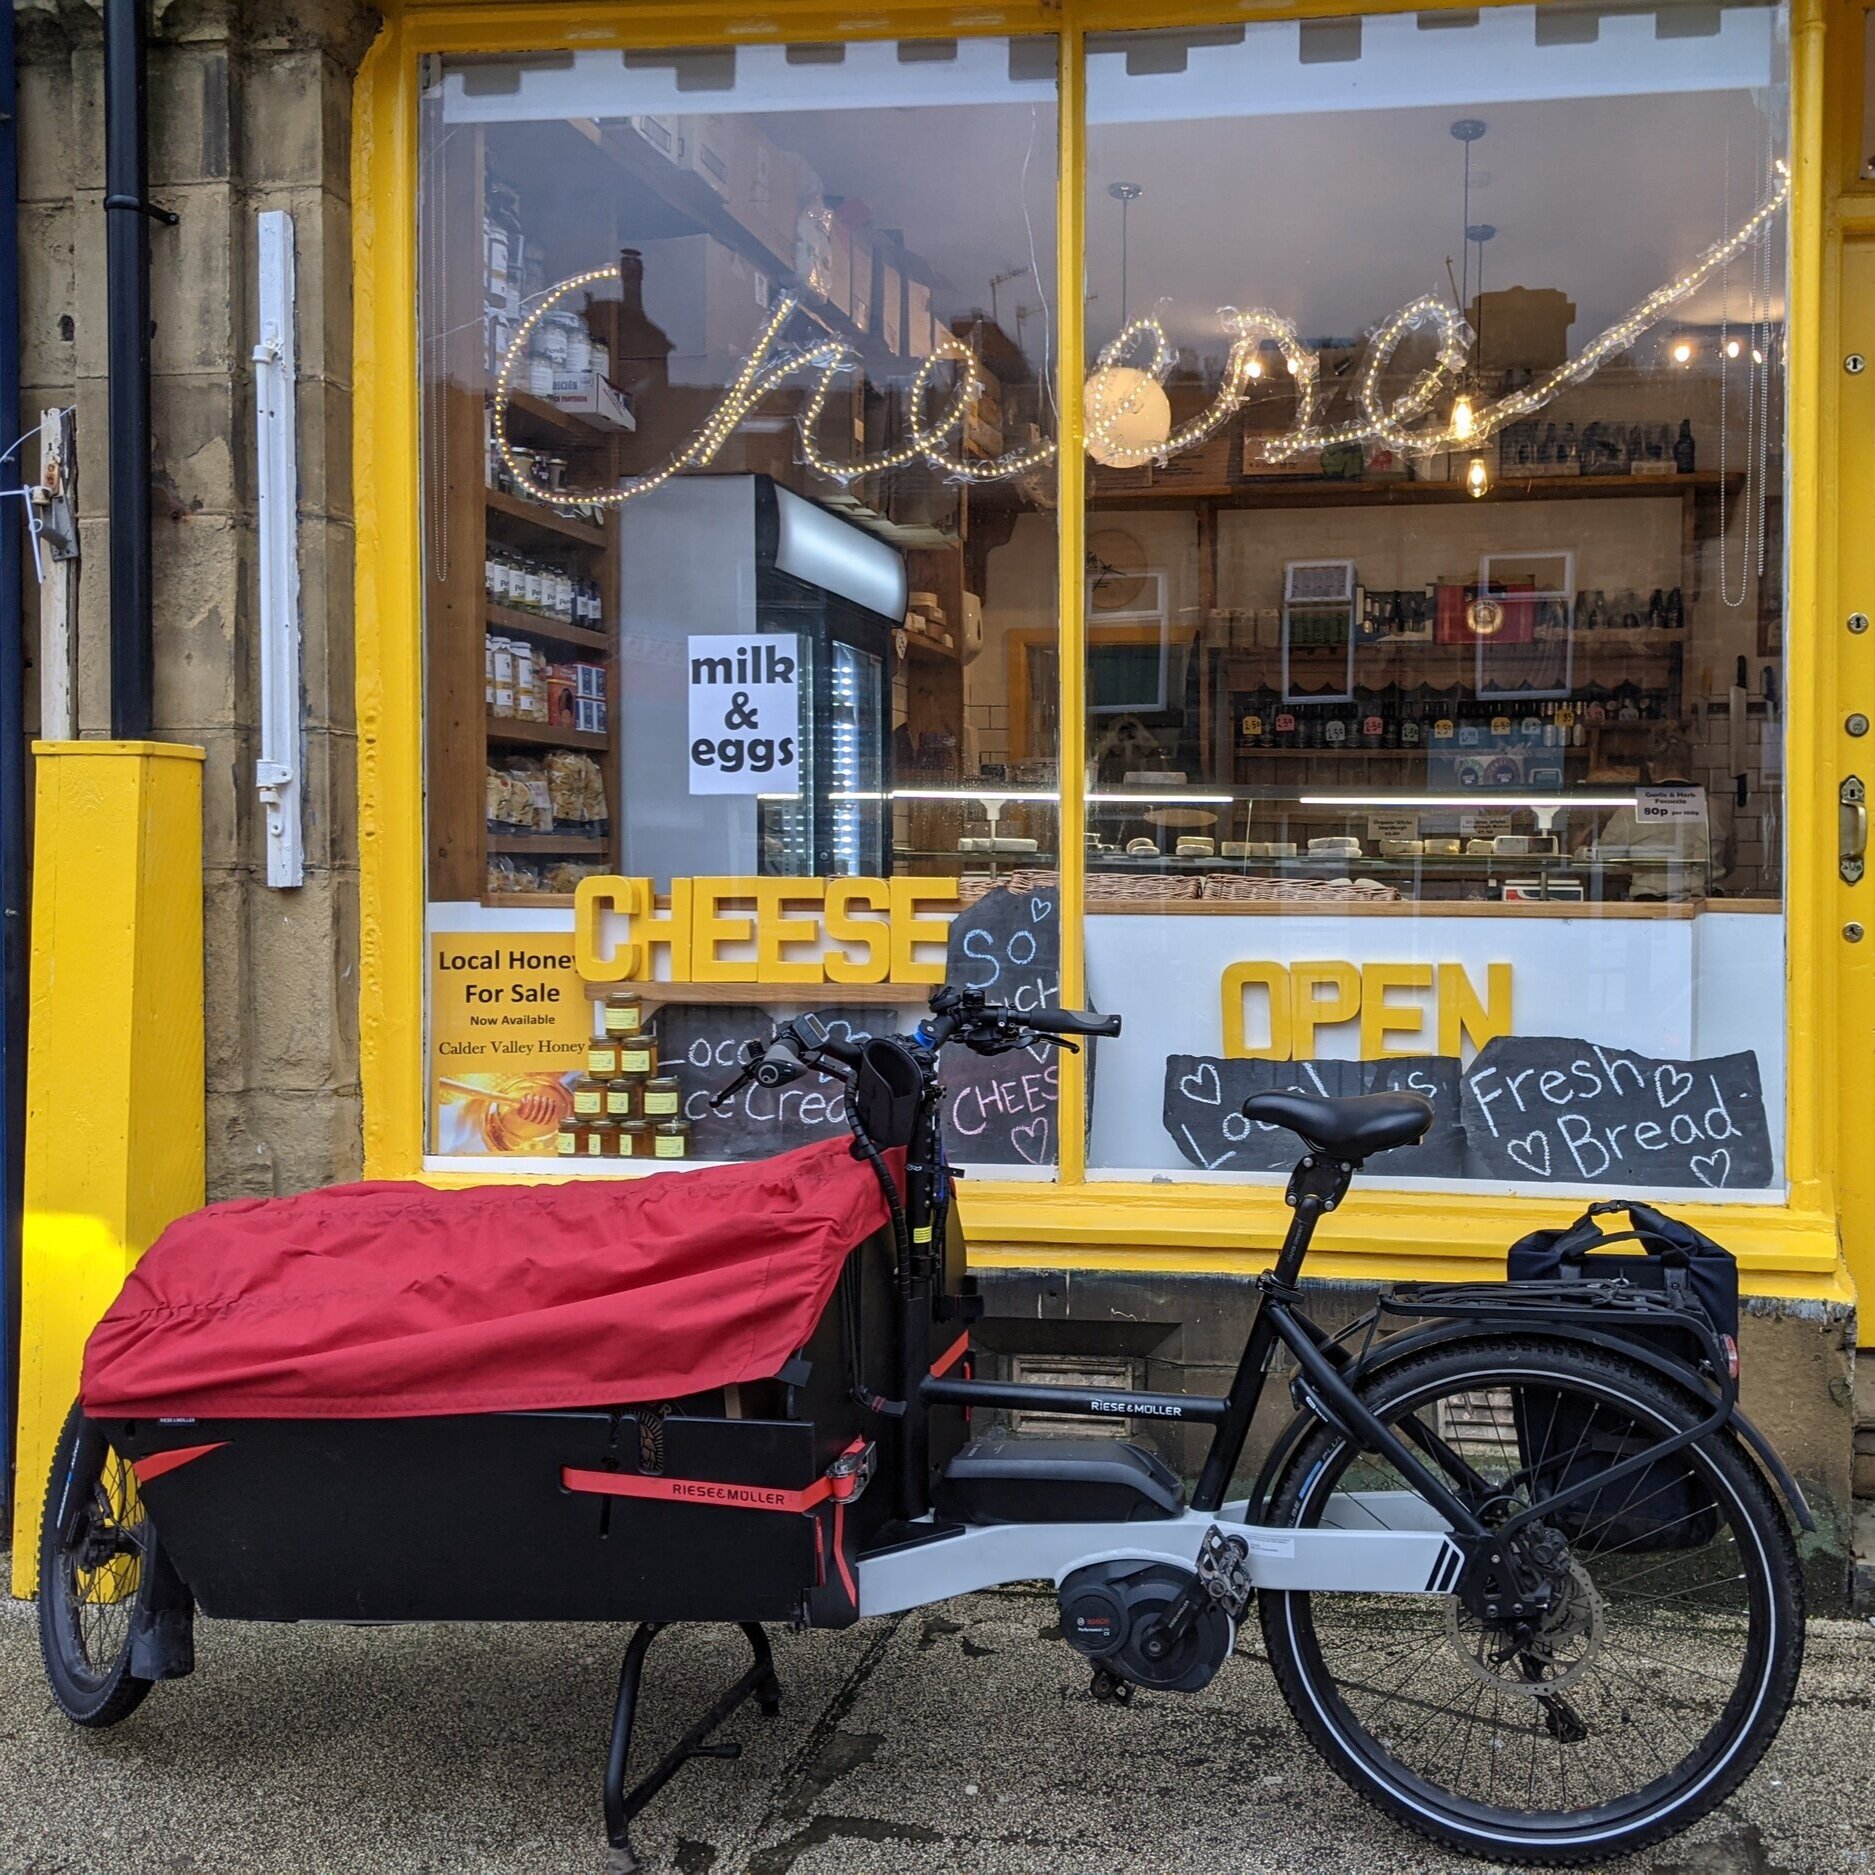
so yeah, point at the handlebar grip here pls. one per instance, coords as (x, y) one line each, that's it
(1072, 1022)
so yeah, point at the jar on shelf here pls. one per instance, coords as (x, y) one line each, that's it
(602, 1139)
(624, 1012)
(635, 1139)
(566, 1142)
(670, 1139)
(638, 1054)
(624, 1097)
(602, 1057)
(663, 1097)
(589, 1098)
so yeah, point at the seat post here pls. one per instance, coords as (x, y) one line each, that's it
(1316, 1186)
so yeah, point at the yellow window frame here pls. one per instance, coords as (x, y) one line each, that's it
(1790, 1248)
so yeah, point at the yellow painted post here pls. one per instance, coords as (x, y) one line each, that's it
(114, 1061)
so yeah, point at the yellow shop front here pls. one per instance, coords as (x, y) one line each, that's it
(1305, 533)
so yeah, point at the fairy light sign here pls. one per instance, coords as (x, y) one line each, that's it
(1132, 368)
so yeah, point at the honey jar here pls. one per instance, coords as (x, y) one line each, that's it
(638, 1054)
(602, 1140)
(624, 1097)
(602, 1057)
(635, 1140)
(663, 1098)
(566, 1142)
(589, 1098)
(624, 1012)
(670, 1139)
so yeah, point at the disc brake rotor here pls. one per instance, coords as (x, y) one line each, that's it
(1534, 1660)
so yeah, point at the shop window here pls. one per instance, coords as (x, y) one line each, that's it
(1434, 591)
(738, 434)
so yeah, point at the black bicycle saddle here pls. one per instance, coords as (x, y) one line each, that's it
(1350, 1127)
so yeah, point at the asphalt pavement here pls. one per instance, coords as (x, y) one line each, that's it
(958, 1739)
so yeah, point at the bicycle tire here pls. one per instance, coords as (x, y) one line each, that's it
(88, 1661)
(1663, 1805)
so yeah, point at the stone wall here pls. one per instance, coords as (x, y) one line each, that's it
(249, 109)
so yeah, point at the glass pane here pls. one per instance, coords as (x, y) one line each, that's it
(1435, 590)
(739, 468)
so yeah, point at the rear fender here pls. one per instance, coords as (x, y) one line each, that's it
(1388, 1354)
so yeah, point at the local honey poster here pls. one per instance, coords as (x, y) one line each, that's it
(509, 1023)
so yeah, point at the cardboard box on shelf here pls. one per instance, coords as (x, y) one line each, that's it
(1521, 327)
(891, 307)
(765, 193)
(710, 302)
(861, 303)
(707, 146)
(587, 394)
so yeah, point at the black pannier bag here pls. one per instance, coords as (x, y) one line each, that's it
(1563, 1440)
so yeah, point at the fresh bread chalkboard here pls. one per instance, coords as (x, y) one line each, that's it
(1580, 1113)
(1204, 1098)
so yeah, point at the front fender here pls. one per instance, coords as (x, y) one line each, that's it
(1388, 1354)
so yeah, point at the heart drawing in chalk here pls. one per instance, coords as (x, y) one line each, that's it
(1668, 1076)
(1712, 1168)
(1040, 908)
(1031, 1141)
(1203, 1085)
(1532, 1153)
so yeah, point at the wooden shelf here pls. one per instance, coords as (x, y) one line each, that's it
(915, 646)
(520, 512)
(529, 901)
(1440, 750)
(531, 625)
(544, 735)
(1275, 493)
(526, 411)
(593, 844)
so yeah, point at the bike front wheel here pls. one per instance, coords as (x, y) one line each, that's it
(1648, 1690)
(95, 1550)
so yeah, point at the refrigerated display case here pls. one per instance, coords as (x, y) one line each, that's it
(737, 554)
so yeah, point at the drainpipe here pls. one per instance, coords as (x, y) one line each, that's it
(13, 933)
(127, 284)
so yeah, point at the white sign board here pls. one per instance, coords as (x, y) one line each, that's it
(745, 713)
(1656, 805)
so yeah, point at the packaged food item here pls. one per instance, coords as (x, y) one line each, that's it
(565, 875)
(602, 1057)
(635, 1140)
(566, 1141)
(663, 1097)
(624, 1099)
(589, 1097)
(670, 1139)
(638, 1054)
(602, 1139)
(624, 1012)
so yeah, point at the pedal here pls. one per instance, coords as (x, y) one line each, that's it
(1224, 1570)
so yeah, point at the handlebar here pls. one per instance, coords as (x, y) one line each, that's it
(804, 1046)
(1069, 1022)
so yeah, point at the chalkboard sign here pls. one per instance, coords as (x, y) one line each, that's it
(701, 1043)
(1204, 1099)
(1546, 1108)
(1002, 1111)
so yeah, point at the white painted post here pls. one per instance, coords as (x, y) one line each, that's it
(277, 773)
(55, 506)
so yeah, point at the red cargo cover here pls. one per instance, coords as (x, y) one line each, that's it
(381, 1301)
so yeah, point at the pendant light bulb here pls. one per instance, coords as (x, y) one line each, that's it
(1464, 420)
(1477, 476)
(1254, 369)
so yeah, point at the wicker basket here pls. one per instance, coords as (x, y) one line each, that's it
(973, 886)
(1242, 887)
(1137, 888)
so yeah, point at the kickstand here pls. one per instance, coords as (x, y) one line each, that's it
(622, 1805)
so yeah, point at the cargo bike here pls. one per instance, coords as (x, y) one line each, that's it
(1524, 1572)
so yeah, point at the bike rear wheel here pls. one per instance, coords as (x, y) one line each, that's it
(95, 1567)
(1642, 1699)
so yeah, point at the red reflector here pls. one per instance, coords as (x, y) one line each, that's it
(1731, 1354)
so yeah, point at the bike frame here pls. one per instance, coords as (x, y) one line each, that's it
(1427, 1547)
